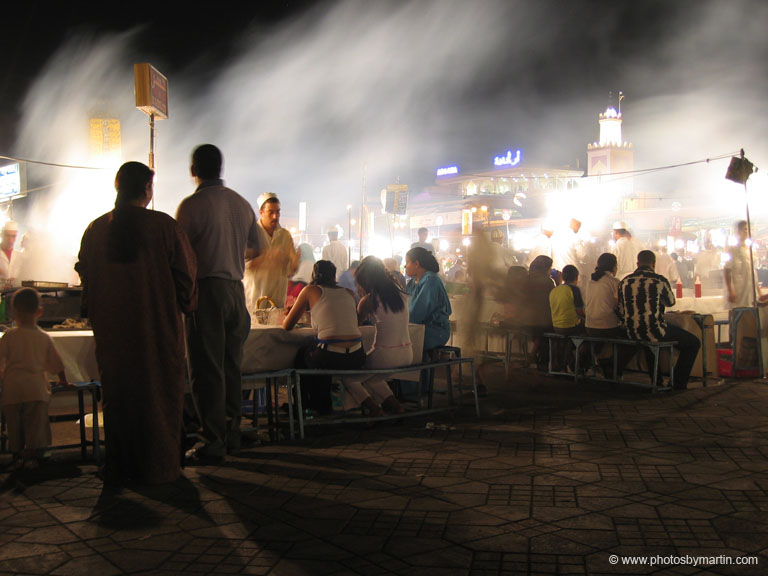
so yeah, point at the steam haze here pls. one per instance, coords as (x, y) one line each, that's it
(405, 87)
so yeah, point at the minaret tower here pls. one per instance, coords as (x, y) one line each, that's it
(611, 155)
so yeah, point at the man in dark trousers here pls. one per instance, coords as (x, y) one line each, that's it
(221, 226)
(643, 297)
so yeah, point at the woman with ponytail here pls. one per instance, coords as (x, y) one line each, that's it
(601, 300)
(338, 345)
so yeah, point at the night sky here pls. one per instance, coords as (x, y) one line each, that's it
(307, 97)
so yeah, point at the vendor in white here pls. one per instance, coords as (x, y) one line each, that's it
(740, 284)
(10, 259)
(267, 275)
(335, 252)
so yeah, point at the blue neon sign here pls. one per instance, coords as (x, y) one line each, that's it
(508, 160)
(448, 171)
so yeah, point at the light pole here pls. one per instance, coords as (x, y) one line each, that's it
(349, 237)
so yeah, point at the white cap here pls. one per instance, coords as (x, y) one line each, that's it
(620, 225)
(264, 197)
(10, 226)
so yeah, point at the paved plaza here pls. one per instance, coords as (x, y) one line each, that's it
(554, 478)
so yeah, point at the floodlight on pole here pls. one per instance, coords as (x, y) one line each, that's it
(739, 171)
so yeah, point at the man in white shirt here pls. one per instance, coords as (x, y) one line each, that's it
(336, 252)
(626, 249)
(10, 259)
(267, 275)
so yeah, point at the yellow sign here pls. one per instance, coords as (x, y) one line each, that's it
(151, 90)
(104, 139)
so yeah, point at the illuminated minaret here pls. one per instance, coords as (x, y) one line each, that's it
(611, 155)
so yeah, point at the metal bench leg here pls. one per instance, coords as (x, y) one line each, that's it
(95, 424)
(655, 352)
(81, 413)
(672, 369)
(297, 391)
(474, 389)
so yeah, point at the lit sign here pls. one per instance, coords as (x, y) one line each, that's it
(10, 182)
(448, 170)
(508, 160)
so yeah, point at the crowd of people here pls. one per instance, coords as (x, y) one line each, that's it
(169, 296)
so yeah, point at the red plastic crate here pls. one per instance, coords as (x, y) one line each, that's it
(725, 365)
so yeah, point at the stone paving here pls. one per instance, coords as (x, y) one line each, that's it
(554, 478)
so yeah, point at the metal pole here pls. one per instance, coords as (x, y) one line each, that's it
(152, 149)
(349, 237)
(754, 284)
(362, 212)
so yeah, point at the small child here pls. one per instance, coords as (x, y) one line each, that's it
(567, 308)
(26, 354)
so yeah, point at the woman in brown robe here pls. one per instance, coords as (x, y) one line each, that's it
(138, 274)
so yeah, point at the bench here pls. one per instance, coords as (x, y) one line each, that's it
(510, 335)
(429, 366)
(92, 388)
(655, 349)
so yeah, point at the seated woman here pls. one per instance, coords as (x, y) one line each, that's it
(600, 303)
(429, 304)
(338, 345)
(384, 301)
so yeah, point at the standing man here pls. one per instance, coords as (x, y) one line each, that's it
(643, 296)
(738, 273)
(567, 248)
(336, 253)
(268, 274)
(221, 227)
(10, 259)
(625, 249)
(422, 243)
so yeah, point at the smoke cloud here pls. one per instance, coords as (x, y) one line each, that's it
(401, 88)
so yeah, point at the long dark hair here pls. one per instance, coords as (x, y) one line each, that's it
(373, 277)
(605, 263)
(124, 237)
(425, 258)
(324, 273)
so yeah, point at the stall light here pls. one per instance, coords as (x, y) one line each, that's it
(474, 209)
(662, 242)
(679, 243)
(444, 245)
(466, 242)
(484, 208)
(292, 229)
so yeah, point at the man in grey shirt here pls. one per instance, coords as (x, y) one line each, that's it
(221, 227)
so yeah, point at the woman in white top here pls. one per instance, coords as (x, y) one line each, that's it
(602, 298)
(385, 301)
(338, 344)
(602, 321)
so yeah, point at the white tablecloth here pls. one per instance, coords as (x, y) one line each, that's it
(267, 348)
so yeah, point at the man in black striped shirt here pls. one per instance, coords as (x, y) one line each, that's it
(643, 296)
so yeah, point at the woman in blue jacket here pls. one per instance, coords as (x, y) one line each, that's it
(429, 303)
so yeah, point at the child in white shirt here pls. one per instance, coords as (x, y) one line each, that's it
(26, 354)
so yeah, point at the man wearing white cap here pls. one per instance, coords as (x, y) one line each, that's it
(10, 259)
(625, 249)
(268, 274)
